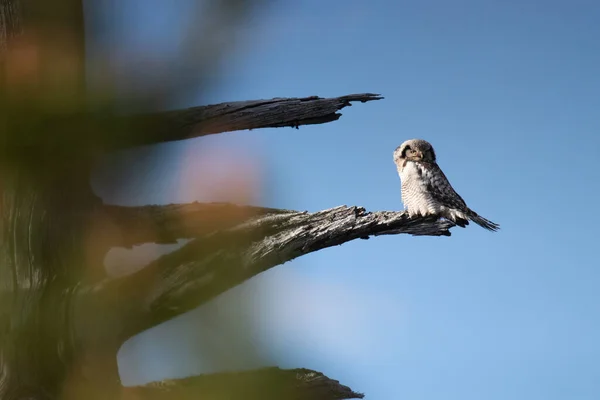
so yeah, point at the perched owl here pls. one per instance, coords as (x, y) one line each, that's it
(426, 190)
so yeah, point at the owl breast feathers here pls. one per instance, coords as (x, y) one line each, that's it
(427, 191)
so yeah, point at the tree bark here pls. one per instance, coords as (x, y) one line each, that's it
(109, 132)
(240, 115)
(216, 261)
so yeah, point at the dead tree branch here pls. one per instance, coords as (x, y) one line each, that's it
(234, 116)
(151, 128)
(264, 384)
(164, 224)
(215, 262)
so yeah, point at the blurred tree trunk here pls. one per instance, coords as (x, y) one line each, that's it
(45, 192)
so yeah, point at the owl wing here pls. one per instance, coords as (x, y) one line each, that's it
(440, 188)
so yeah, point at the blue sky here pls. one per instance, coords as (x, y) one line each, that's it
(507, 92)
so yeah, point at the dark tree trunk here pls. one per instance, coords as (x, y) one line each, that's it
(42, 246)
(45, 196)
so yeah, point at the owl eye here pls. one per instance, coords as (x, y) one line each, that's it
(406, 149)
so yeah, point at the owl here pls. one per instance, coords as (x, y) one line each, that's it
(426, 190)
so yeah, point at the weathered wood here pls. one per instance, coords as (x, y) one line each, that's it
(106, 132)
(165, 224)
(215, 262)
(225, 117)
(262, 384)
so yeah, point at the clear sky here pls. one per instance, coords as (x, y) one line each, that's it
(508, 93)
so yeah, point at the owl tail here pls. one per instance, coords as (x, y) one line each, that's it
(484, 223)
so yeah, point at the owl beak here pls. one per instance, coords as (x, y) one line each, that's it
(419, 155)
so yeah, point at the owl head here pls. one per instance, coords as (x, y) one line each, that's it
(414, 150)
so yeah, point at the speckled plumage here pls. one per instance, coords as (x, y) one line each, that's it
(426, 190)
